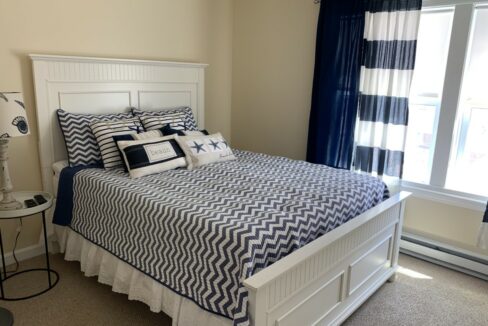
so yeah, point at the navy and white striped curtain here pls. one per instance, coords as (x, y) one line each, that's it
(390, 40)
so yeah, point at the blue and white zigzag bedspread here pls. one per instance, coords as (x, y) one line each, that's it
(202, 232)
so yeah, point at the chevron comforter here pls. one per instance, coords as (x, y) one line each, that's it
(202, 232)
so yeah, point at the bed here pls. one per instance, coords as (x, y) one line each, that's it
(319, 278)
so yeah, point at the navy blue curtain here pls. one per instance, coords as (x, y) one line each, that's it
(485, 217)
(483, 235)
(335, 95)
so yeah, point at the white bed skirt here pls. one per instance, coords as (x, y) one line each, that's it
(124, 278)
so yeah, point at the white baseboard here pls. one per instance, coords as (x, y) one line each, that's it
(446, 255)
(24, 253)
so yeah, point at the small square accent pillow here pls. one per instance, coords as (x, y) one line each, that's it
(202, 150)
(179, 118)
(81, 144)
(105, 131)
(149, 156)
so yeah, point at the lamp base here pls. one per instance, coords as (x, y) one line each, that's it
(8, 202)
(11, 205)
(6, 317)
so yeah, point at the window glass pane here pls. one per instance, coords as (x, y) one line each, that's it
(419, 144)
(426, 92)
(468, 170)
(432, 48)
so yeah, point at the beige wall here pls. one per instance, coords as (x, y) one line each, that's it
(181, 30)
(445, 223)
(274, 51)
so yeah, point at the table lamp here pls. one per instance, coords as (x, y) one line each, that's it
(13, 123)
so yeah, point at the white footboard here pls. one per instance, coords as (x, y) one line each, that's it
(328, 279)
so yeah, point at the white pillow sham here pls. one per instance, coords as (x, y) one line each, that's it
(202, 150)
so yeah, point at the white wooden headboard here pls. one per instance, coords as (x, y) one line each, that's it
(101, 85)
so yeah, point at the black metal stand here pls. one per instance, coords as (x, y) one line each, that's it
(47, 269)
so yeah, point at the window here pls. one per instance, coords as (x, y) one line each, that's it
(468, 170)
(426, 92)
(447, 138)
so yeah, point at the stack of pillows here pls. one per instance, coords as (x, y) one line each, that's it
(141, 142)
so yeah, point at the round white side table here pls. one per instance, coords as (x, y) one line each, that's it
(21, 213)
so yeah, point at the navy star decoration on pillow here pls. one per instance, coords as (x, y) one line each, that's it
(202, 150)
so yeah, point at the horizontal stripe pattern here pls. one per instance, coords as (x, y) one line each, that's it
(385, 109)
(176, 121)
(389, 54)
(379, 161)
(104, 133)
(390, 42)
(372, 134)
(384, 26)
(81, 144)
(179, 116)
(148, 135)
(387, 82)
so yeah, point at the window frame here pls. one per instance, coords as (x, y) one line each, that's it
(446, 133)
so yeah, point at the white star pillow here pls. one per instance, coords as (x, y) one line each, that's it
(202, 150)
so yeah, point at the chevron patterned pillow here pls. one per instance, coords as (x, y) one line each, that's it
(180, 118)
(104, 132)
(81, 144)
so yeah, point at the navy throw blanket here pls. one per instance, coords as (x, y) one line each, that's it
(64, 201)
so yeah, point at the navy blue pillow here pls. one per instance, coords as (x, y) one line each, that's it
(119, 138)
(167, 131)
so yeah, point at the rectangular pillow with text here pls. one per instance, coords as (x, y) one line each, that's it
(149, 156)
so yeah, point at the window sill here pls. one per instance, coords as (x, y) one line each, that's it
(445, 196)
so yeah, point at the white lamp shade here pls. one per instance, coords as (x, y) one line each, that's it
(13, 118)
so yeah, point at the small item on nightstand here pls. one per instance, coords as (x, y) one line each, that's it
(40, 199)
(30, 203)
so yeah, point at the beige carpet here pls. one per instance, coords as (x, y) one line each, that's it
(424, 294)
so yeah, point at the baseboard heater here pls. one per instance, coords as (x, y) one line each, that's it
(445, 255)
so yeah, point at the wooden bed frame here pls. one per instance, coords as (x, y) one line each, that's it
(322, 283)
